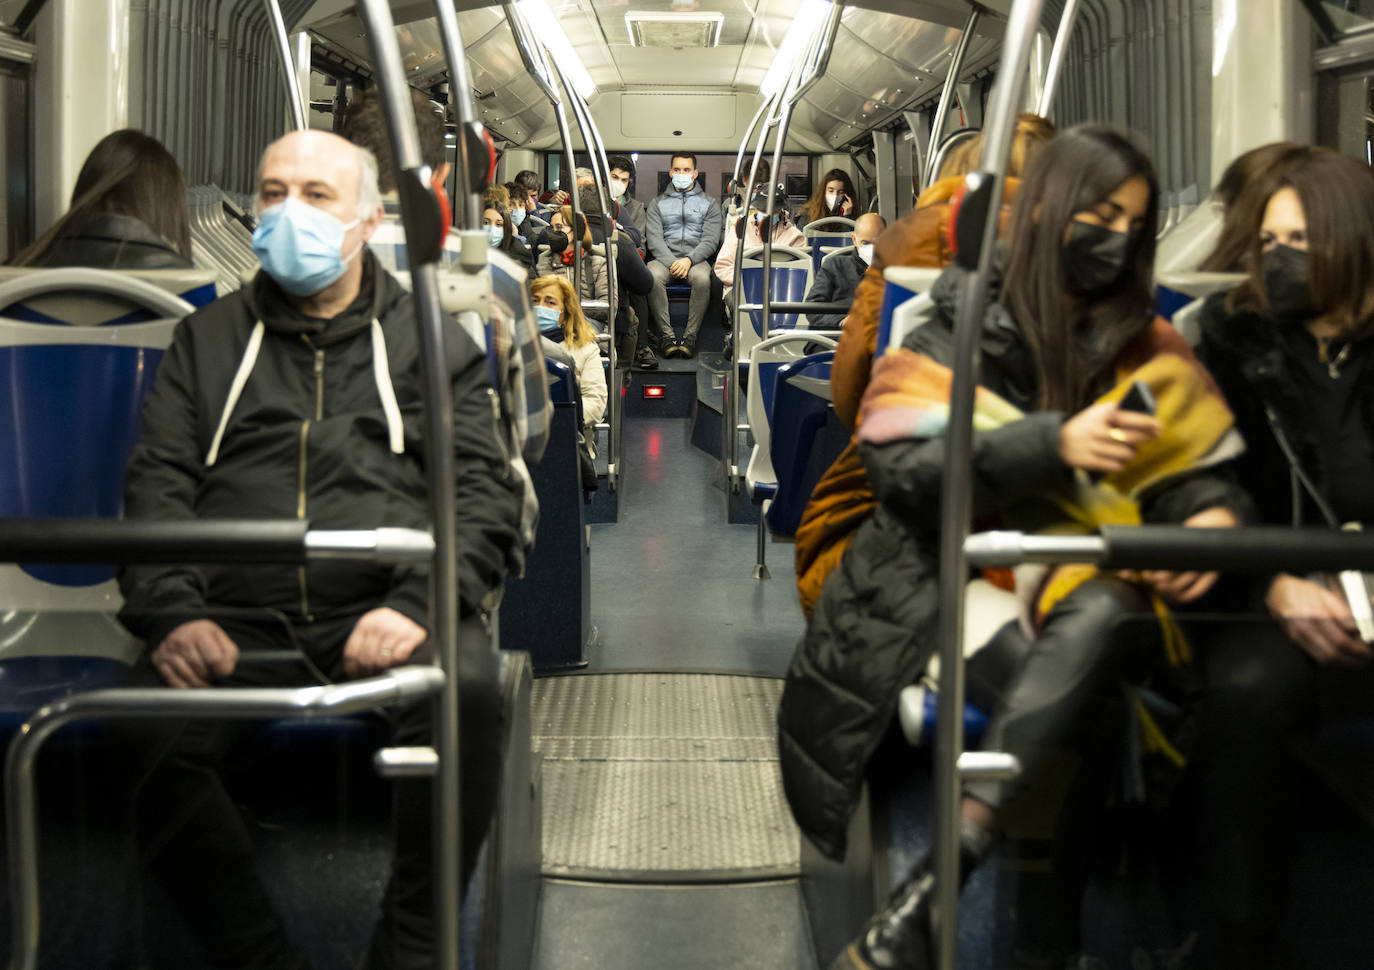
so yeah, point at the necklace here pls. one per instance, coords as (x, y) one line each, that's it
(1333, 364)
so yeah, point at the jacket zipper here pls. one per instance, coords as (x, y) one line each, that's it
(303, 468)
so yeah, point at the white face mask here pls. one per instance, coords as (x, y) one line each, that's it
(618, 188)
(866, 253)
(830, 198)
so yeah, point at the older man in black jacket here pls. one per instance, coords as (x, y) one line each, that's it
(840, 273)
(299, 396)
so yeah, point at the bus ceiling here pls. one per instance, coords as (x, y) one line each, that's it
(708, 62)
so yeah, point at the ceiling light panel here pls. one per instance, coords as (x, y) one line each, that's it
(674, 30)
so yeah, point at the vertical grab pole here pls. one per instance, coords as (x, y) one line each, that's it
(956, 65)
(955, 500)
(730, 393)
(460, 97)
(601, 177)
(294, 100)
(1061, 49)
(412, 179)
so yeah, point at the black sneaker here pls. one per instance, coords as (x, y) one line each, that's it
(645, 359)
(687, 349)
(666, 346)
(898, 935)
(676, 350)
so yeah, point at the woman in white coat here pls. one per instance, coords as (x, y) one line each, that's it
(561, 320)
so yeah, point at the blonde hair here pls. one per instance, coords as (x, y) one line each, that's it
(577, 332)
(497, 197)
(1032, 132)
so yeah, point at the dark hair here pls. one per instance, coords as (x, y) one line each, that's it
(589, 201)
(127, 173)
(689, 155)
(815, 207)
(765, 171)
(527, 179)
(365, 126)
(622, 162)
(1243, 192)
(1076, 341)
(1337, 195)
(490, 201)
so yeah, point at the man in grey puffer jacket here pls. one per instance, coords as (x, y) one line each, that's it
(683, 236)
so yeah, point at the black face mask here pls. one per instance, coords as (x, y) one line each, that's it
(558, 241)
(1285, 271)
(1097, 256)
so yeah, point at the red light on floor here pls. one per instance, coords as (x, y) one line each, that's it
(654, 390)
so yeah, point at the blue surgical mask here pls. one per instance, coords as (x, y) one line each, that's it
(494, 235)
(682, 181)
(517, 216)
(549, 324)
(301, 246)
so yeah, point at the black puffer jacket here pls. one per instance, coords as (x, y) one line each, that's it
(874, 628)
(838, 279)
(112, 241)
(1244, 352)
(311, 435)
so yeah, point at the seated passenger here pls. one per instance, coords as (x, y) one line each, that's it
(128, 211)
(557, 260)
(840, 273)
(834, 196)
(633, 211)
(683, 234)
(1067, 334)
(1293, 351)
(1243, 192)
(499, 227)
(561, 321)
(365, 126)
(237, 427)
(632, 277)
(756, 231)
(519, 210)
(842, 499)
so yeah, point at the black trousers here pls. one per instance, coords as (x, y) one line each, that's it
(192, 840)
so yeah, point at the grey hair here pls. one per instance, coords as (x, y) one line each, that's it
(369, 194)
(583, 173)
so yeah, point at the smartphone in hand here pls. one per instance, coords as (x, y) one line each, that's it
(1139, 399)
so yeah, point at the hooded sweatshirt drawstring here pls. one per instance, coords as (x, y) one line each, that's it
(381, 373)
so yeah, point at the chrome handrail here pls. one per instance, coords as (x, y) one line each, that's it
(1057, 55)
(956, 489)
(956, 65)
(440, 464)
(295, 100)
(460, 97)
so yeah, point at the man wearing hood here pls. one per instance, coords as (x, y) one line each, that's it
(299, 396)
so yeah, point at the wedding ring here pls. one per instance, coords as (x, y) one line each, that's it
(1117, 435)
(386, 653)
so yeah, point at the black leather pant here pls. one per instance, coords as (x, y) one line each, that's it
(191, 838)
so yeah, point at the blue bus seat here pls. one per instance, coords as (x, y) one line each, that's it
(764, 363)
(902, 284)
(825, 236)
(801, 407)
(78, 305)
(562, 383)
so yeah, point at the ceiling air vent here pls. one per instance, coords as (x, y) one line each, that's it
(676, 30)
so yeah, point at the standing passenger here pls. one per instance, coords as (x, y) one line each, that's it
(299, 395)
(683, 234)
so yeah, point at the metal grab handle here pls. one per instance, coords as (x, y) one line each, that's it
(287, 541)
(1253, 549)
(102, 281)
(403, 685)
(460, 97)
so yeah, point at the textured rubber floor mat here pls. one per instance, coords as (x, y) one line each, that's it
(662, 778)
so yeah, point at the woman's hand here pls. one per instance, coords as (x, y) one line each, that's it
(1190, 586)
(1317, 620)
(1103, 438)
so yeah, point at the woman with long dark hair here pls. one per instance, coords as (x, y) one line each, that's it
(128, 211)
(834, 196)
(1067, 332)
(1292, 348)
(1243, 191)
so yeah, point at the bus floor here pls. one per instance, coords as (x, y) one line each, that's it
(667, 841)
